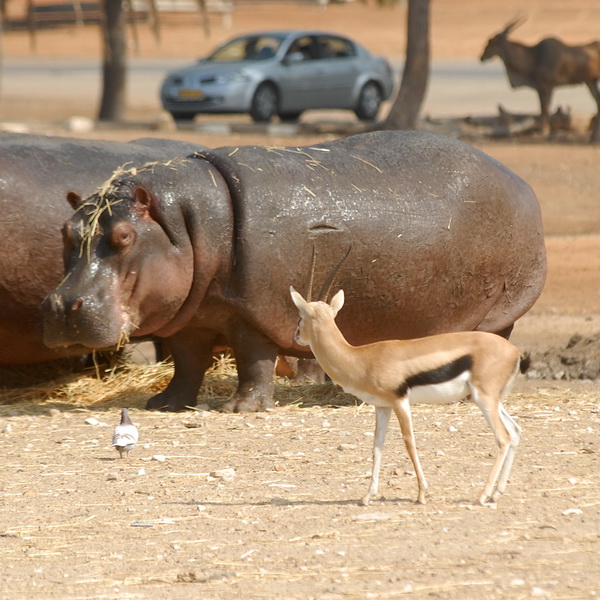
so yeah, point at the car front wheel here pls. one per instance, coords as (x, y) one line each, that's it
(264, 103)
(369, 102)
(182, 116)
(290, 117)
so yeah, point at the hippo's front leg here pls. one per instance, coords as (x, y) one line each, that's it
(255, 357)
(192, 353)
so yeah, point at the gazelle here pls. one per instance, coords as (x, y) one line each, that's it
(438, 369)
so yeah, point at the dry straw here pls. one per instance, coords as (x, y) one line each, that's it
(133, 384)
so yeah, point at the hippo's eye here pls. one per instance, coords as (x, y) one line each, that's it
(122, 235)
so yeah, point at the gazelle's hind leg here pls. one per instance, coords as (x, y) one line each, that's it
(382, 420)
(402, 409)
(514, 430)
(507, 434)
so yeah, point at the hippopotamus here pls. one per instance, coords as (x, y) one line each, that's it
(37, 172)
(202, 250)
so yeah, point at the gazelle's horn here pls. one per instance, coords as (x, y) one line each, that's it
(324, 293)
(312, 273)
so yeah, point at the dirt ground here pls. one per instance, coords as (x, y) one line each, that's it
(213, 505)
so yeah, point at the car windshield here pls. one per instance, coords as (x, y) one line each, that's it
(256, 47)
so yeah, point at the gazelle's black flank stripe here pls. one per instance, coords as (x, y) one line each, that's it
(442, 374)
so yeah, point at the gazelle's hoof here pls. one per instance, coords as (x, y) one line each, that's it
(365, 501)
(489, 501)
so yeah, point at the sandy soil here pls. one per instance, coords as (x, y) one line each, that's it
(78, 522)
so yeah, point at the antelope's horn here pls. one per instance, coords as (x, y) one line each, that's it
(515, 23)
(324, 293)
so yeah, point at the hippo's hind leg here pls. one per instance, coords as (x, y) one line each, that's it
(192, 356)
(255, 357)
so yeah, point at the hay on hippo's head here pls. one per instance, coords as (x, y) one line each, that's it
(115, 190)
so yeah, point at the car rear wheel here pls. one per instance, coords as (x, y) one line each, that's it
(369, 102)
(264, 103)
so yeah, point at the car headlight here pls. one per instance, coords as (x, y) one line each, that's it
(238, 76)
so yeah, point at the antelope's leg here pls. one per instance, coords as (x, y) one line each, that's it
(401, 407)
(506, 447)
(593, 87)
(514, 431)
(382, 420)
(545, 95)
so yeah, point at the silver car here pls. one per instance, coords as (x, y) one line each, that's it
(281, 73)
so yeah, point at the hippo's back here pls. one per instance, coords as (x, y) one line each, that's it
(443, 237)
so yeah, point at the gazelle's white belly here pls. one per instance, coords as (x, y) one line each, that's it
(440, 393)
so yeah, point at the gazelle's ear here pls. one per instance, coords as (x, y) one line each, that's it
(337, 302)
(298, 300)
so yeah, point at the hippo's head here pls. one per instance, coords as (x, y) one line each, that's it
(138, 256)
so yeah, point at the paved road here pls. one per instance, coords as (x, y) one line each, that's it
(457, 87)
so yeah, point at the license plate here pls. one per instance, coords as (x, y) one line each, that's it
(191, 94)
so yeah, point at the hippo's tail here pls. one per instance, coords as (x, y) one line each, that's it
(524, 362)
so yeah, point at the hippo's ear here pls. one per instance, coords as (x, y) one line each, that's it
(144, 203)
(74, 199)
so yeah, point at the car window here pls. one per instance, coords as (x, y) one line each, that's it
(247, 48)
(305, 46)
(335, 47)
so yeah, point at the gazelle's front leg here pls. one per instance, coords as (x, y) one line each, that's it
(402, 409)
(382, 420)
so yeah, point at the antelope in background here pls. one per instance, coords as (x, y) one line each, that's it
(548, 64)
(438, 369)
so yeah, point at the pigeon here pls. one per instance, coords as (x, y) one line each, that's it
(126, 434)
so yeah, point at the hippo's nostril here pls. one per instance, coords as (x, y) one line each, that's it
(77, 304)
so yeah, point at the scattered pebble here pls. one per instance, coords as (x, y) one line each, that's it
(347, 447)
(159, 457)
(79, 124)
(572, 511)
(377, 516)
(223, 474)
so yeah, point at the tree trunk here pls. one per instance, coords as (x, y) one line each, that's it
(114, 72)
(405, 110)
